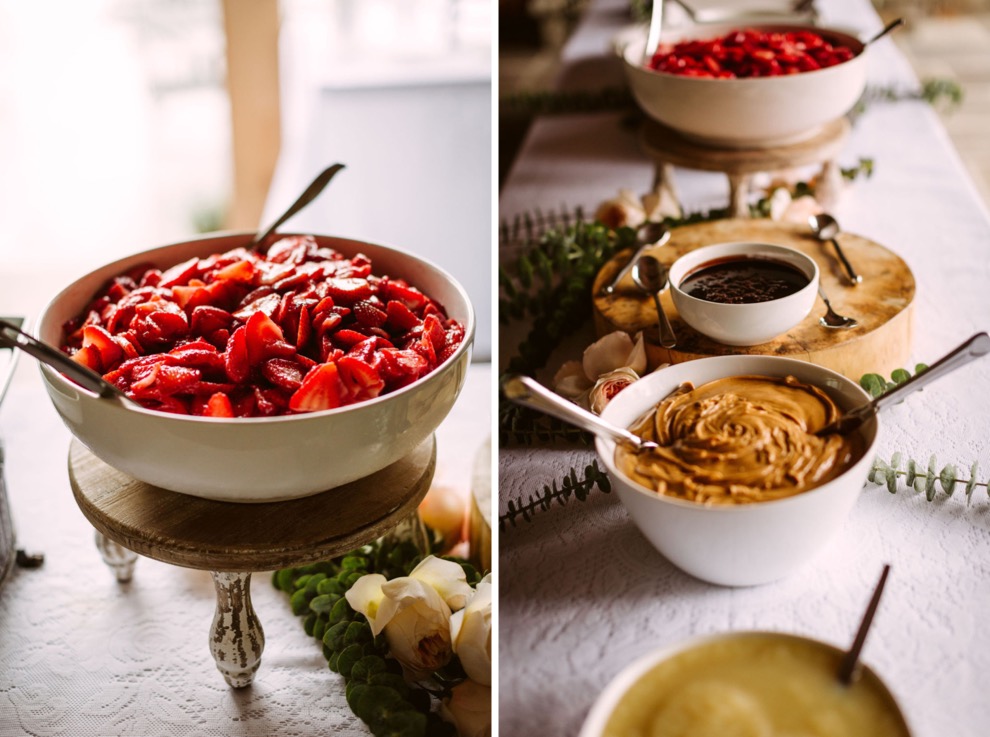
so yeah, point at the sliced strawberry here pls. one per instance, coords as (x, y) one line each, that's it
(348, 291)
(411, 297)
(265, 305)
(283, 372)
(305, 328)
(270, 402)
(361, 380)
(206, 318)
(191, 296)
(110, 353)
(236, 358)
(88, 356)
(347, 338)
(180, 273)
(433, 329)
(400, 367)
(399, 316)
(265, 339)
(219, 406)
(240, 271)
(321, 389)
(368, 314)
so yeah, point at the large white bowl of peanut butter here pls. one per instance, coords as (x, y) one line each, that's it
(744, 684)
(741, 490)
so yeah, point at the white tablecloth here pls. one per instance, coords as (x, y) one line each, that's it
(583, 592)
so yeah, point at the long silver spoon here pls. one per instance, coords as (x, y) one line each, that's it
(831, 318)
(651, 277)
(12, 337)
(308, 195)
(826, 228)
(978, 345)
(530, 393)
(648, 235)
(656, 27)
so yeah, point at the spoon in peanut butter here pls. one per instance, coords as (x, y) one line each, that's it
(530, 393)
(978, 345)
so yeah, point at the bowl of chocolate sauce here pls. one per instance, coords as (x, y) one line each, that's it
(744, 294)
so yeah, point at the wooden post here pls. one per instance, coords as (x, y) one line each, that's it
(251, 28)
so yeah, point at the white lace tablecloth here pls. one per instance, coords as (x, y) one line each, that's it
(84, 656)
(583, 593)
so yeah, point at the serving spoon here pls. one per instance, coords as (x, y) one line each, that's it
(847, 666)
(12, 337)
(530, 393)
(826, 228)
(648, 235)
(309, 194)
(978, 345)
(886, 29)
(651, 277)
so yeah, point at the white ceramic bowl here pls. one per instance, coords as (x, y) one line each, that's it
(604, 706)
(747, 113)
(264, 458)
(748, 544)
(743, 324)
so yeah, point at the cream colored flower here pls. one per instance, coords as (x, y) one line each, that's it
(624, 210)
(469, 708)
(471, 634)
(446, 577)
(608, 386)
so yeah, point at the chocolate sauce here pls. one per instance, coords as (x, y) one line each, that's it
(744, 280)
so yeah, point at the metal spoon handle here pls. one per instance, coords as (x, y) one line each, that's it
(850, 271)
(887, 29)
(656, 26)
(530, 393)
(847, 667)
(12, 337)
(624, 271)
(310, 194)
(978, 345)
(667, 337)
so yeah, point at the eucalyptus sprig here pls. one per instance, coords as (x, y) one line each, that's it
(923, 478)
(375, 688)
(876, 385)
(570, 486)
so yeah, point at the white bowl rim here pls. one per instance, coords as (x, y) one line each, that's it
(870, 426)
(739, 248)
(465, 345)
(714, 30)
(620, 684)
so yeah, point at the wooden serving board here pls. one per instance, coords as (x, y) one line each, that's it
(882, 303)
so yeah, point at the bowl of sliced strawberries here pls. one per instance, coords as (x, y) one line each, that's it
(264, 374)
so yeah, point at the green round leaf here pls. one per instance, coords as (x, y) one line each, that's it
(334, 636)
(299, 602)
(323, 603)
(348, 657)
(358, 631)
(366, 667)
(341, 611)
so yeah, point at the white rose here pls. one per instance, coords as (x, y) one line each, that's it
(469, 708)
(471, 634)
(615, 350)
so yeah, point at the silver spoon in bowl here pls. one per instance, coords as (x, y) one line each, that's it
(309, 194)
(648, 235)
(976, 346)
(530, 393)
(826, 228)
(651, 277)
(831, 318)
(12, 337)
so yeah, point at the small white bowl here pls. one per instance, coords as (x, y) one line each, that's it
(758, 112)
(604, 706)
(746, 544)
(260, 459)
(743, 324)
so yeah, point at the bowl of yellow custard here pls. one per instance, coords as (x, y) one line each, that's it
(744, 684)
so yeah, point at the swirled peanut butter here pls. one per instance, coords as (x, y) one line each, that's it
(738, 440)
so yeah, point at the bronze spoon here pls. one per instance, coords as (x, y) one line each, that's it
(847, 667)
(308, 195)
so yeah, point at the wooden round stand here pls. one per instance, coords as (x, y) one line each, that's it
(883, 303)
(232, 540)
(668, 149)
